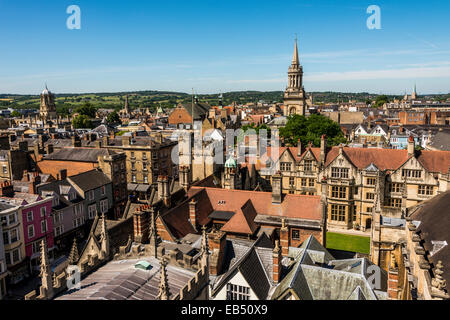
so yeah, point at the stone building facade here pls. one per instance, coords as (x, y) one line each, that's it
(352, 176)
(48, 107)
(294, 95)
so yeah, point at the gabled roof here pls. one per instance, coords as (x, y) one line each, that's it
(293, 206)
(310, 279)
(243, 221)
(90, 180)
(255, 266)
(200, 109)
(383, 159)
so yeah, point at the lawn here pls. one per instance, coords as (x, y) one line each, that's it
(345, 242)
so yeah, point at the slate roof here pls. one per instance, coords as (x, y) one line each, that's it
(79, 154)
(313, 276)
(440, 141)
(434, 226)
(121, 280)
(200, 109)
(90, 180)
(255, 263)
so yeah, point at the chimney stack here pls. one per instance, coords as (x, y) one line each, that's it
(184, 177)
(163, 190)
(35, 180)
(411, 146)
(276, 188)
(193, 213)
(76, 142)
(63, 174)
(393, 278)
(6, 189)
(277, 258)
(299, 148)
(50, 149)
(323, 149)
(284, 238)
(217, 244)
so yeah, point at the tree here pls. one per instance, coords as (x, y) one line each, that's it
(311, 129)
(113, 117)
(15, 114)
(82, 122)
(381, 100)
(87, 110)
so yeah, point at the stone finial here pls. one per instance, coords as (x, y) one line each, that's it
(46, 272)
(205, 247)
(393, 264)
(283, 223)
(164, 292)
(74, 256)
(277, 249)
(104, 238)
(438, 281)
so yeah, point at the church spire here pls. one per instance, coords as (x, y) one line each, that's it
(295, 60)
(164, 292)
(74, 256)
(104, 238)
(46, 272)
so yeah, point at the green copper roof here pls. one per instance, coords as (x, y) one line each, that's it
(230, 163)
(144, 265)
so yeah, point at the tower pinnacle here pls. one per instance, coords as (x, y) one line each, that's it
(295, 60)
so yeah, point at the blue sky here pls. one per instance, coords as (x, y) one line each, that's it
(220, 46)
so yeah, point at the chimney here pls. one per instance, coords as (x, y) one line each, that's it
(49, 149)
(193, 213)
(393, 278)
(277, 257)
(126, 141)
(284, 238)
(106, 141)
(411, 146)
(23, 146)
(76, 142)
(324, 208)
(25, 176)
(35, 180)
(323, 149)
(276, 188)
(63, 174)
(217, 244)
(6, 189)
(163, 190)
(184, 177)
(299, 148)
(141, 224)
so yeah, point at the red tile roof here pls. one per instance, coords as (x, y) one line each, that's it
(383, 159)
(243, 220)
(246, 205)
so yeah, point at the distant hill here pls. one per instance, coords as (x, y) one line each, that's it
(167, 99)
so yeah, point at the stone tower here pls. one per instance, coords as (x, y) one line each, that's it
(294, 96)
(48, 107)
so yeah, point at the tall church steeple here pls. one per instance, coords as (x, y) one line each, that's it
(294, 96)
(295, 61)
